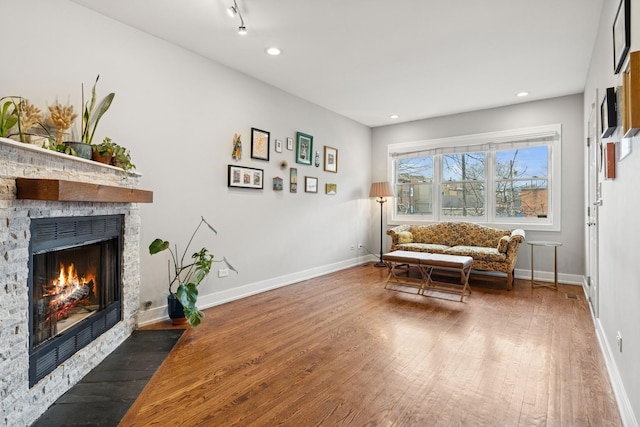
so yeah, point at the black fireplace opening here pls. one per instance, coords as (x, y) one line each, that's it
(74, 286)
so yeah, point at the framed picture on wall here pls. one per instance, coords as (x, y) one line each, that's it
(244, 177)
(330, 159)
(260, 144)
(310, 184)
(293, 180)
(304, 148)
(621, 34)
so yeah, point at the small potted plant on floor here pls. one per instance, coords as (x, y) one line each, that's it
(187, 274)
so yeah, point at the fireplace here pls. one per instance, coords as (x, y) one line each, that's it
(74, 286)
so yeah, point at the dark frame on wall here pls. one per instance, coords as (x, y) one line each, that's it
(260, 141)
(244, 177)
(621, 34)
(608, 118)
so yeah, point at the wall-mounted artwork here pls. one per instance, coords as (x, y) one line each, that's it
(304, 148)
(293, 180)
(608, 116)
(244, 177)
(277, 184)
(621, 35)
(237, 147)
(310, 184)
(331, 189)
(260, 144)
(330, 159)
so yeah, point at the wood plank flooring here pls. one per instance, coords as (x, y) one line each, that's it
(341, 350)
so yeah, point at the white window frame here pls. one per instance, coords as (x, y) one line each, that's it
(551, 133)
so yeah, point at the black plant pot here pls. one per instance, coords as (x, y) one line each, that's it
(176, 312)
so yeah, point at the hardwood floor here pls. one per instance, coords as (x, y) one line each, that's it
(341, 350)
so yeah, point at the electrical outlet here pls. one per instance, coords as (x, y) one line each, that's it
(353, 247)
(360, 246)
(619, 339)
(223, 272)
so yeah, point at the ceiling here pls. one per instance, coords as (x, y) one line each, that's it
(369, 59)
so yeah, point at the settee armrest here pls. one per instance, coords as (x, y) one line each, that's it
(394, 233)
(517, 237)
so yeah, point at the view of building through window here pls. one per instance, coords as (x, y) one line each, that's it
(519, 177)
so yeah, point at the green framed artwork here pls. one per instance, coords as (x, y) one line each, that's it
(304, 148)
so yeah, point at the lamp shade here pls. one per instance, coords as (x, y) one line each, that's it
(381, 189)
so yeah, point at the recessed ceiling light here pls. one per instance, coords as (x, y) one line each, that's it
(394, 116)
(522, 94)
(273, 51)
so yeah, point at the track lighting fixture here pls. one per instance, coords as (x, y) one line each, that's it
(234, 10)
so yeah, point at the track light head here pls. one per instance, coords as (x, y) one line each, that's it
(232, 11)
(242, 30)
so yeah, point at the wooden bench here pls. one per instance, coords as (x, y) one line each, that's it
(401, 262)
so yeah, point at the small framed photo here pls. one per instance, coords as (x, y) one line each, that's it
(244, 177)
(277, 184)
(331, 189)
(304, 148)
(260, 144)
(330, 159)
(608, 116)
(278, 146)
(293, 180)
(310, 184)
(621, 35)
(290, 144)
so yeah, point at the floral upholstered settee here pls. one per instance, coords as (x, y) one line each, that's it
(492, 249)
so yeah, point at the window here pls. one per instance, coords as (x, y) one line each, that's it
(505, 179)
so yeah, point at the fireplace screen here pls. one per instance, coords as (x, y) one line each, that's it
(74, 283)
(71, 285)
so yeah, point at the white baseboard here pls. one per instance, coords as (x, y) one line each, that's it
(205, 301)
(624, 405)
(547, 276)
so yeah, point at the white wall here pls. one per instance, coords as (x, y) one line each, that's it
(565, 110)
(619, 228)
(178, 112)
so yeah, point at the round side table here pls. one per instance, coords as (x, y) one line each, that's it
(534, 243)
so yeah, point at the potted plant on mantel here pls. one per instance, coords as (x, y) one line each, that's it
(61, 117)
(187, 274)
(111, 153)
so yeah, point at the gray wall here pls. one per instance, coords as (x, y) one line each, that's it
(565, 110)
(178, 113)
(619, 267)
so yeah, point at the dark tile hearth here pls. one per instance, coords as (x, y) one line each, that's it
(105, 394)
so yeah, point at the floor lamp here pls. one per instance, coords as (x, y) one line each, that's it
(381, 190)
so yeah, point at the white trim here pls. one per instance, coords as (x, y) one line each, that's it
(554, 132)
(627, 416)
(206, 301)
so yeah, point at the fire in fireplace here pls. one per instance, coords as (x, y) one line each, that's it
(74, 285)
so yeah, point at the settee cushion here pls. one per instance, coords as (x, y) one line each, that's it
(405, 237)
(478, 253)
(422, 247)
(503, 244)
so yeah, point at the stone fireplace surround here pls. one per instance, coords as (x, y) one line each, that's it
(21, 405)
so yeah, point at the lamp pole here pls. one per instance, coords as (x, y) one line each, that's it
(381, 190)
(381, 263)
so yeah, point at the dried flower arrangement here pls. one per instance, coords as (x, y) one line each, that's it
(61, 117)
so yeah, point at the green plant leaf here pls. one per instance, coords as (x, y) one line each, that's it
(158, 245)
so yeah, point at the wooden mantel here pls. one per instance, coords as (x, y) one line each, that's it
(73, 191)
